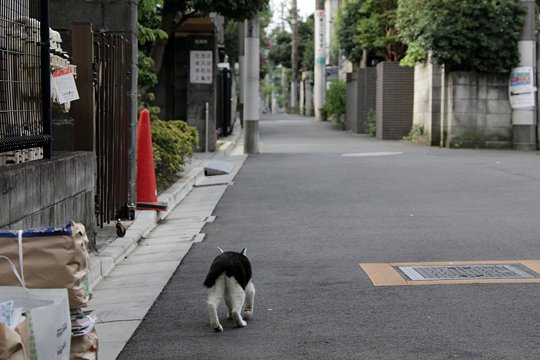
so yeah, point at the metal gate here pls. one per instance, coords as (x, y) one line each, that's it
(112, 127)
(223, 111)
(25, 120)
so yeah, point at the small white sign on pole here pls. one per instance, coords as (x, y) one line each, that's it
(521, 88)
(200, 67)
(320, 53)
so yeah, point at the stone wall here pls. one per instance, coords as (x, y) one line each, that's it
(427, 103)
(49, 192)
(477, 113)
(395, 96)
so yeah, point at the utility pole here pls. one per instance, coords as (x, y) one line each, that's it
(524, 119)
(320, 60)
(294, 57)
(242, 65)
(283, 16)
(251, 93)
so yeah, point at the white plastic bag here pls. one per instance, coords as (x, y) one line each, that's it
(49, 319)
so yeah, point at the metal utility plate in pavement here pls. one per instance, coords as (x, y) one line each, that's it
(454, 272)
(463, 272)
(369, 154)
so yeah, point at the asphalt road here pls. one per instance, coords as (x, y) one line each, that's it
(308, 215)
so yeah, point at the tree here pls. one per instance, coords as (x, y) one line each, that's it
(376, 29)
(306, 47)
(147, 32)
(280, 50)
(346, 30)
(463, 35)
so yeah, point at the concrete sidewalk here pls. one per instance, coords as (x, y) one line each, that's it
(129, 273)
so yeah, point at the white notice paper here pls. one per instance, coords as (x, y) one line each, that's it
(64, 84)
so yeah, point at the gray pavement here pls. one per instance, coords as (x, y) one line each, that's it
(309, 208)
(128, 274)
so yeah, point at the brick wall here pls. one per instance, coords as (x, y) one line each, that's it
(394, 104)
(361, 91)
(352, 102)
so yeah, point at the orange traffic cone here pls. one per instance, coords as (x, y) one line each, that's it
(146, 176)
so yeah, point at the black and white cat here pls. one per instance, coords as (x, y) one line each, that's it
(229, 278)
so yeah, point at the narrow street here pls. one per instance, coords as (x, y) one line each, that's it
(314, 204)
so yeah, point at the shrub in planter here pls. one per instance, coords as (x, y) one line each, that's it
(335, 105)
(173, 142)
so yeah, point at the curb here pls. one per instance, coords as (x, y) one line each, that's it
(103, 263)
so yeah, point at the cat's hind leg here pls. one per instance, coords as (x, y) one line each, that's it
(229, 304)
(215, 294)
(250, 299)
(237, 296)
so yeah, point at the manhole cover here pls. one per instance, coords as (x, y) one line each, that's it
(367, 154)
(464, 272)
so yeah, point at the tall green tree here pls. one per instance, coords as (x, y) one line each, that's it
(376, 29)
(280, 49)
(148, 32)
(479, 35)
(346, 30)
(306, 46)
(369, 26)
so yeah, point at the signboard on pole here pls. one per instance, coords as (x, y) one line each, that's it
(521, 88)
(200, 67)
(320, 56)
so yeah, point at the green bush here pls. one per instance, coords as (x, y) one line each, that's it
(417, 130)
(462, 35)
(336, 99)
(173, 143)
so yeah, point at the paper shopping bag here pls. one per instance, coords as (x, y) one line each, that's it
(52, 257)
(15, 343)
(85, 347)
(49, 321)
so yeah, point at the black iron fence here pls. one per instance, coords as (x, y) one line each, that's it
(24, 75)
(224, 95)
(112, 127)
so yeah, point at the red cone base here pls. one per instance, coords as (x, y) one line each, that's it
(146, 176)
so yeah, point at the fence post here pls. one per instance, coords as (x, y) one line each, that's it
(84, 108)
(46, 77)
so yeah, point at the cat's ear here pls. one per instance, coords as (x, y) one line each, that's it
(244, 252)
(220, 250)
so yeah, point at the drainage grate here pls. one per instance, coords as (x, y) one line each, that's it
(464, 272)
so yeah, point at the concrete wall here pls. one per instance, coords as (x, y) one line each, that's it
(477, 112)
(395, 97)
(49, 192)
(427, 102)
